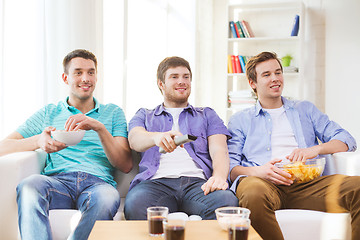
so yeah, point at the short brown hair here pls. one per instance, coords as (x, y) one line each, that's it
(82, 53)
(171, 62)
(254, 61)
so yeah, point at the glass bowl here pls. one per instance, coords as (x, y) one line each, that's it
(303, 172)
(224, 215)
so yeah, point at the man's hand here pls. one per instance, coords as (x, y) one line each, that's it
(302, 154)
(214, 183)
(48, 144)
(165, 140)
(81, 121)
(273, 174)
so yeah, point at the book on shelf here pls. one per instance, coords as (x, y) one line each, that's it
(241, 99)
(295, 29)
(233, 30)
(247, 28)
(233, 63)
(237, 64)
(237, 24)
(237, 30)
(242, 62)
(230, 70)
(245, 33)
(241, 29)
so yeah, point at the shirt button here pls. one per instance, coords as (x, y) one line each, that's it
(269, 133)
(268, 149)
(269, 119)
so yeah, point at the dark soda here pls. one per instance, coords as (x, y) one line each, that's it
(238, 233)
(174, 233)
(156, 225)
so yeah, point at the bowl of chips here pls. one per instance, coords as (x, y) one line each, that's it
(303, 171)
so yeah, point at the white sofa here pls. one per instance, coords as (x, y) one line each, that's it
(295, 224)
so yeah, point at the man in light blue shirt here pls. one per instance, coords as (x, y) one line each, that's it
(75, 177)
(277, 129)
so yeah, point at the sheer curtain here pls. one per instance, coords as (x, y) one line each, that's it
(129, 38)
(22, 57)
(35, 36)
(152, 30)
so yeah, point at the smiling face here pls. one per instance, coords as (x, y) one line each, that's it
(176, 87)
(269, 83)
(81, 78)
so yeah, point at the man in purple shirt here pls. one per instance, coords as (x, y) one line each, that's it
(192, 177)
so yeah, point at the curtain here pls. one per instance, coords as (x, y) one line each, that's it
(129, 38)
(35, 36)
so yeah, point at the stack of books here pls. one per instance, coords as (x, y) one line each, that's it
(242, 99)
(241, 29)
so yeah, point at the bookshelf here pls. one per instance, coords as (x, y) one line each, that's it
(271, 24)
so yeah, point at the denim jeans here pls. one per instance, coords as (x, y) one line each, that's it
(37, 194)
(178, 194)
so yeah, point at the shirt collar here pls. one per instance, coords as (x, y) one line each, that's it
(286, 103)
(72, 109)
(161, 109)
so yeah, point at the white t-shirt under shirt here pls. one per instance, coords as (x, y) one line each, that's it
(283, 140)
(177, 163)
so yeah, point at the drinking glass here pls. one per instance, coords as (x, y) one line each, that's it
(156, 216)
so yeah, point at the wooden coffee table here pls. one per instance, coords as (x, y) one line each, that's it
(138, 230)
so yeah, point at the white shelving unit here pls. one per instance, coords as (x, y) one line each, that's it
(271, 24)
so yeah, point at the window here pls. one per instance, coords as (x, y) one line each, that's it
(129, 38)
(154, 29)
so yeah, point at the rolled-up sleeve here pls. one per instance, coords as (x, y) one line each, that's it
(327, 130)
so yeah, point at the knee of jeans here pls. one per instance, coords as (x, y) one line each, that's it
(105, 199)
(132, 201)
(230, 199)
(31, 186)
(226, 198)
(135, 205)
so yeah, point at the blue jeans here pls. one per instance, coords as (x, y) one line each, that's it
(178, 194)
(37, 194)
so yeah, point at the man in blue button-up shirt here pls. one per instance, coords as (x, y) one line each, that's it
(275, 130)
(191, 178)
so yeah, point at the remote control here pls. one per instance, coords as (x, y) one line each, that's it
(181, 140)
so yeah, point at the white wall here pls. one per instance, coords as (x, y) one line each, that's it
(342, 96)
(332, 58)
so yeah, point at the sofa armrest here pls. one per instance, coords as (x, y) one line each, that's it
(13, 168)
(347, 163)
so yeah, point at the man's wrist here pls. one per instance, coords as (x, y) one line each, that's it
(219, 176)
(100, 128)
(318, 149)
